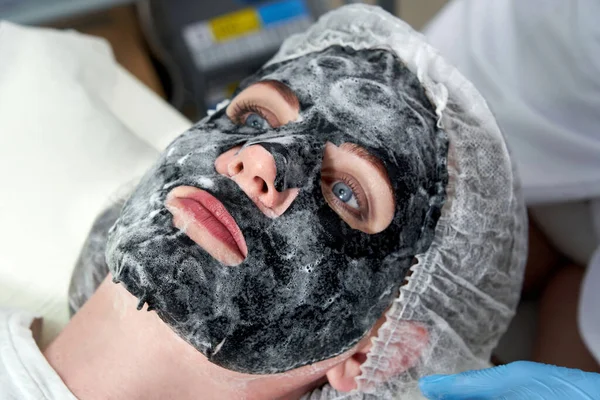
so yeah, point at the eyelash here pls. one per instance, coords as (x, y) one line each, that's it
(243, 108)
(356, 189)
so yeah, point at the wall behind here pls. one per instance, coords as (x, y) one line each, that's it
(418, 12)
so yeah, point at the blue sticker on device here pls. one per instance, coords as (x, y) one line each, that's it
(281, 11)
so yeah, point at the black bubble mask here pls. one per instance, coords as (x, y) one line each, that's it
(311, 287)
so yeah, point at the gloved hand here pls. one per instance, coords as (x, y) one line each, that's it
(516, 381)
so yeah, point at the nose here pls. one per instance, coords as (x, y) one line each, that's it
(253, 169)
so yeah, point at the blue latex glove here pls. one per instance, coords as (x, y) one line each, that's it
(516, 381)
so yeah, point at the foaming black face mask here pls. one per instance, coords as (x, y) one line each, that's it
(310, 287)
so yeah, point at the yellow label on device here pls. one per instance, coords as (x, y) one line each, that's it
(235, 24)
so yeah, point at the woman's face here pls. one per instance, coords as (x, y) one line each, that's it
(276, 232)
(354, 183)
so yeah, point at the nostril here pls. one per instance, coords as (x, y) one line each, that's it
(264, 188)
(236, 168)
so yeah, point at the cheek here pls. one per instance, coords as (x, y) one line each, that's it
(224, 159)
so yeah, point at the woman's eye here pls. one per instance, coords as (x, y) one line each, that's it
(345, 194)
(255, 121)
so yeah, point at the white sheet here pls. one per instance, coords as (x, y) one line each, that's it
(24, 372)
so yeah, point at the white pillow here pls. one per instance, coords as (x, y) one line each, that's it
(74, 127)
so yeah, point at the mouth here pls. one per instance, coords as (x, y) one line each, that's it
(206, 221)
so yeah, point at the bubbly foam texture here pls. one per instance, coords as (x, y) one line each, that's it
(311, 287)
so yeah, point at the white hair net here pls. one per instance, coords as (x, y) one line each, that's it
(465, 287)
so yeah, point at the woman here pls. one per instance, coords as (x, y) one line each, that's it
(276, 236)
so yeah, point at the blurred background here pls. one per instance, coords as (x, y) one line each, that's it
(193, 53)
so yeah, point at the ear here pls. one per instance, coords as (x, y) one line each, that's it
(404, 351)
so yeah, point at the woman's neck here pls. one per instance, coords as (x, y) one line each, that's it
(111, 350)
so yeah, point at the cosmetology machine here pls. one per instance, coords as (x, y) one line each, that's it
(206, 47)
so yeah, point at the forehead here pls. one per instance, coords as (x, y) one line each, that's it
(369, 95)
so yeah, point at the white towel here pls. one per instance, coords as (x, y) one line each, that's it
(74, 127)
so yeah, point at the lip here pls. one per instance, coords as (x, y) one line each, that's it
(205, 220)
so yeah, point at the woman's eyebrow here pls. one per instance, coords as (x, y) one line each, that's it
(369, 158)
(285, 92)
